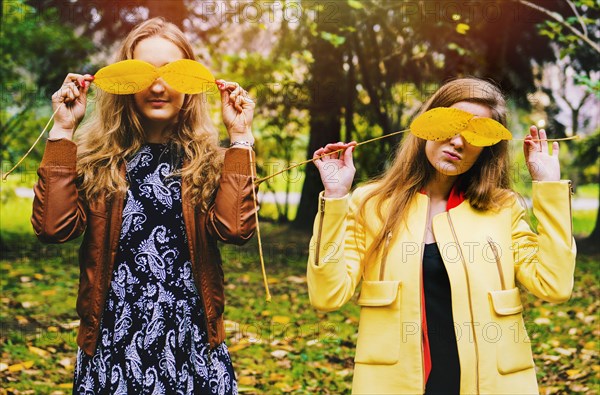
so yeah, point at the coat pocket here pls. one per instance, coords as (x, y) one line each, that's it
(379, 327)
(513, 348)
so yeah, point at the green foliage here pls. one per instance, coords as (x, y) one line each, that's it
(592, 86)
(37, 53)
(355, 4)
(281, 122)
(584, 58)
(334, 39)
(586, 159)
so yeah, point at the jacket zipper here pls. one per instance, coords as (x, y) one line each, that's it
(570, 210)
(470, 300)
(322, 213)
(498, 263)
(423, 382)
(385, 254)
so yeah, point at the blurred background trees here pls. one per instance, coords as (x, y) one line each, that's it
(325, 71)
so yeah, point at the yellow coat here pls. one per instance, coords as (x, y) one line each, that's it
(484, 253)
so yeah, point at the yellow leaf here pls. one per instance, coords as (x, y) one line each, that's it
(573, 372)
(443, 122)
(20, 366)
(462, 28)
(238, 347)
(187, 76)
(483, 132)
(281, 319)
(477, 140)
(39, 351)
(246, 380)
(126, 77)
(243, 389)
(591, 345)
(440, 123)
(65, 385)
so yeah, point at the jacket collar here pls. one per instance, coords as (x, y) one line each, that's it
(455, 198)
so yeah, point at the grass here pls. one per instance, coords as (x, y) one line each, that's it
(589, 191)
(583, 222)
(280, 347)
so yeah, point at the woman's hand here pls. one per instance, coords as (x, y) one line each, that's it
(541, 165)
(73, 93)
(336, 169)
(238, 111)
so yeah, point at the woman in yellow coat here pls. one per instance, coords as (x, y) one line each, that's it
(437, 244)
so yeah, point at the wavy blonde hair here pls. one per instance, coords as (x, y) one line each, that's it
(114, 132)
(486, 184)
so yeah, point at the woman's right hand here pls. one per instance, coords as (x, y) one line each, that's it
(73, 93)
(337, 169)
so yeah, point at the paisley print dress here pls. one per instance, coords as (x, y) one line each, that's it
(152, 337)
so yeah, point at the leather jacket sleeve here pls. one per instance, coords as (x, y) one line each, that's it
(231, 217)
(58, 211)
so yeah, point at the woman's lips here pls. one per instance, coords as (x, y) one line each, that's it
(452, 155)
(158, 103)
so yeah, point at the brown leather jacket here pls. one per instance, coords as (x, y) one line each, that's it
(61, 214)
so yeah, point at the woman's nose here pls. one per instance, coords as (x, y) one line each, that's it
(158, 86)
(457, 141)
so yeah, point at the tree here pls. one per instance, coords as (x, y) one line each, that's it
(326, 101)
(396, 53)
(37, 51)
(573, 36)
(110, 20)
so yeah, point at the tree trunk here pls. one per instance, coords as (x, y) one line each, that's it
(325, 120)
(590, 244)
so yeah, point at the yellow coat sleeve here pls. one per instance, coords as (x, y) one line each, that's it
(545, 262)
(336, 248)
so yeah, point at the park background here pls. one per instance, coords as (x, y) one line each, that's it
(320, 71)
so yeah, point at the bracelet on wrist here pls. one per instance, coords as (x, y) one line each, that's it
(243, 143)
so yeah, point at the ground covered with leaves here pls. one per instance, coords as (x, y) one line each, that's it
(280, 347)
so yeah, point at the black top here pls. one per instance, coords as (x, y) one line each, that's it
(445, 368)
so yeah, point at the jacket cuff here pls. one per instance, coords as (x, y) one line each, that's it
(240, 161)
(62, 152)
(551, 191)
(334, 205)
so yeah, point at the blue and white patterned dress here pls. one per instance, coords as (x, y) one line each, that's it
(152, 337)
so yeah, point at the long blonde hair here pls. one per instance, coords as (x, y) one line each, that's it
(114, 132)
(486, 185)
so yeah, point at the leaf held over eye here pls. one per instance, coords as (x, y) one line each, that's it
(187, 76)
(126, 77)
(440, 123)
(483, 132)
(444, 122)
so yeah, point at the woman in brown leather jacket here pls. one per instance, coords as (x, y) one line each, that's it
(147, 184)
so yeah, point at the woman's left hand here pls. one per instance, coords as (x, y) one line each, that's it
(542, 165)
(238, 111)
